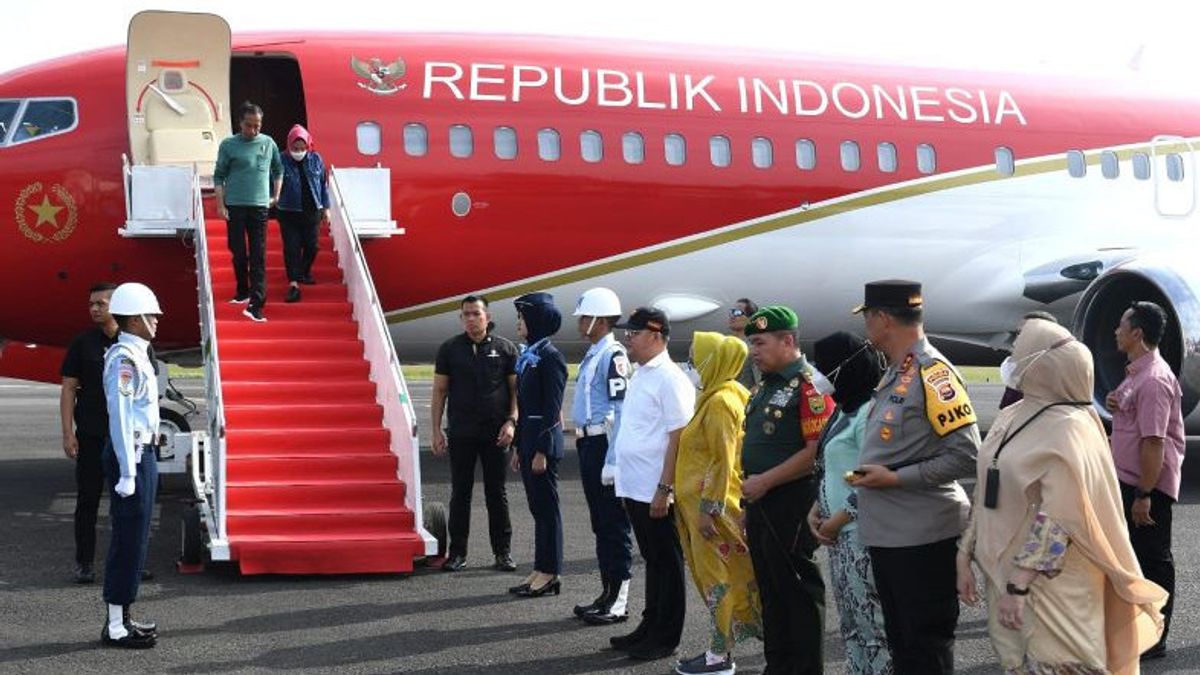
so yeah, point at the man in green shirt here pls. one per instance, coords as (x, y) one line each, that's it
(784, 419)
(248, 178)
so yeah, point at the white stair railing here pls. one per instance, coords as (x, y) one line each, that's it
(391, 391)
(208, 457)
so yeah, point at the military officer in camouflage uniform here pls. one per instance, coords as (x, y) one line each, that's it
(784, 419)
(921, 438)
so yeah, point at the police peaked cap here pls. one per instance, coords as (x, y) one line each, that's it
(891, 294)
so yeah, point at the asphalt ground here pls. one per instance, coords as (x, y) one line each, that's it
(427, 622)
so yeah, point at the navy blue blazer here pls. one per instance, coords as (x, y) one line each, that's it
(539, 401)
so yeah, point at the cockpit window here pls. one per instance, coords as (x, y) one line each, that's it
(8, 110)
(42, 118)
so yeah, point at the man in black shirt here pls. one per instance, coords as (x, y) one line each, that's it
(85, 422)
(476, 371)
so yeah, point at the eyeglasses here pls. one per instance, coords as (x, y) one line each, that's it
(630, 334)
(736, 312)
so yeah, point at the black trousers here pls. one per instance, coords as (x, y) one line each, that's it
(610, 523)
(789, 581)
(666, 601)
(130, 518)
(464, 453)
(1152, 546)
(299, 231)
(917, 590)
(246, 234)
(89, 485)
(541, 491)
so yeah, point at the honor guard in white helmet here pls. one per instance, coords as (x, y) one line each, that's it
(130, 463)
(599, 391)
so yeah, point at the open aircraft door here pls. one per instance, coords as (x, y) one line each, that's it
(1173, 166)
(177, 89)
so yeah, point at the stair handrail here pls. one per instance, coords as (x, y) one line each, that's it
(391, 390)
(212, 491)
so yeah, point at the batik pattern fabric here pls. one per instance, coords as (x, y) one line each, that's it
(859, 609)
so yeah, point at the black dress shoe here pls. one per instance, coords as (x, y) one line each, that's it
(84, 574)
(146, 627)
(624, 642)
(595, 605)
(133, 640)
(553, 586)
(650, 652)
(454, 563)
(504, 563)
(147, 575)
(293, 294)
(603, 618)
(308, 280)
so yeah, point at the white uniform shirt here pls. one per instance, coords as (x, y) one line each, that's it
(660, 400)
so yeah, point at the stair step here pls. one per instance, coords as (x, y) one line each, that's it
(273, 526)
(340, 556)
(323, 415)
(308, 442)
(291, 392)
(244, 469)
(284, 311)
(296, 348)
(332, 291)
(274, 256)
(280, 328)
(249, 370)
(289, 497)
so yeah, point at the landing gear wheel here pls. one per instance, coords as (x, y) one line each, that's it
(171, 422)
(191, 548)
(435, 524)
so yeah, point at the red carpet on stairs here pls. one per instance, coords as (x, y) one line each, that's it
(311, 482)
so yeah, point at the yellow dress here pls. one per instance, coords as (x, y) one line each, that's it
(708, 479)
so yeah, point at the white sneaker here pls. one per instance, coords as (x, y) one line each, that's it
(255, 314)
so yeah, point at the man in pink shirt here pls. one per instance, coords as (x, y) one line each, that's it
(1147, 445)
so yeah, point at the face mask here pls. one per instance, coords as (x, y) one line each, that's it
(298, 156)
(1008, 369)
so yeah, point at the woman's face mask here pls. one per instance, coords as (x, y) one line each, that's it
(693, 372)
(298, 155)
(1008, 369)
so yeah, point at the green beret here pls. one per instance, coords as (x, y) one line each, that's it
(772, 318)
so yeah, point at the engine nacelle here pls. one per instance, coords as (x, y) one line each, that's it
(1172, 284)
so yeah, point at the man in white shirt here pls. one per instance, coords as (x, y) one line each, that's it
(658, 405)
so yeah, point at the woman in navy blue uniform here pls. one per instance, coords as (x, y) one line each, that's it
(541, 380)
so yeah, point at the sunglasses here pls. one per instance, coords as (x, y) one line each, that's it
(736, 312)
(630, 334)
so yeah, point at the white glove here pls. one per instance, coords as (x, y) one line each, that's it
(125, 487)
(608, 475)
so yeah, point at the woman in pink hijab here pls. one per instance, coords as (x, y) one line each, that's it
(303, 205)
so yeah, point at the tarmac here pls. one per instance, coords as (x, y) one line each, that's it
(426, 622)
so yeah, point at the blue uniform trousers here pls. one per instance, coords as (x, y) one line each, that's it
(130, 520)
(541, 490)
(610, 523)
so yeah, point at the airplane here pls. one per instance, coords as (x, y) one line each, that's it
(679, 176)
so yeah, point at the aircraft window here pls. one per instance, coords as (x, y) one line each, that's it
(1110, 165)
(1076, 163)
(851, 160)
(1141, 166)
(675, 149)
(762, 152)
(591, 146)
(718, 151)
(8, 110)
(370, 138)
(888, 161)
(462, 143)
(1174, 167)
(1005, 163)
(806, 154)
(416, 140)
(45, 118)
(549, 145)
(926, 158)
(633, 147)
(504, 140)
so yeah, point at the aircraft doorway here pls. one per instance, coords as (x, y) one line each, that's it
(273, 82)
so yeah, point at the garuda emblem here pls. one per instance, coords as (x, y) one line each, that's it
(381, 78)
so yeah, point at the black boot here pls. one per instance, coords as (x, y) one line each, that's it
(148, 628)
(613, 608)
(594, 605)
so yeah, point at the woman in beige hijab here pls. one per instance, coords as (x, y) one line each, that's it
(1064, 590)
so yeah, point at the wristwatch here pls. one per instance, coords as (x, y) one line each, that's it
(1013, 589)
(1139, 493)
(667, 490)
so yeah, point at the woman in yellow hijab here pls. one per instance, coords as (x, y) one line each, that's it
(1064, 590)
(708, 488)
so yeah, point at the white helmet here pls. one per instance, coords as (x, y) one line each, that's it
(133, 299)
(598, 301)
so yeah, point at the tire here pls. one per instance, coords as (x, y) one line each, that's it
(436, 524)
(191, 549)
(171, 422)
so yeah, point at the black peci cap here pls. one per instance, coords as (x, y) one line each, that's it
(647, 318)
(891, 293)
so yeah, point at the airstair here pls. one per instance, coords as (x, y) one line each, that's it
(308, 463)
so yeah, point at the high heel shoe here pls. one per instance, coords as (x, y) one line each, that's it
(553, 586)
(519, 589)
